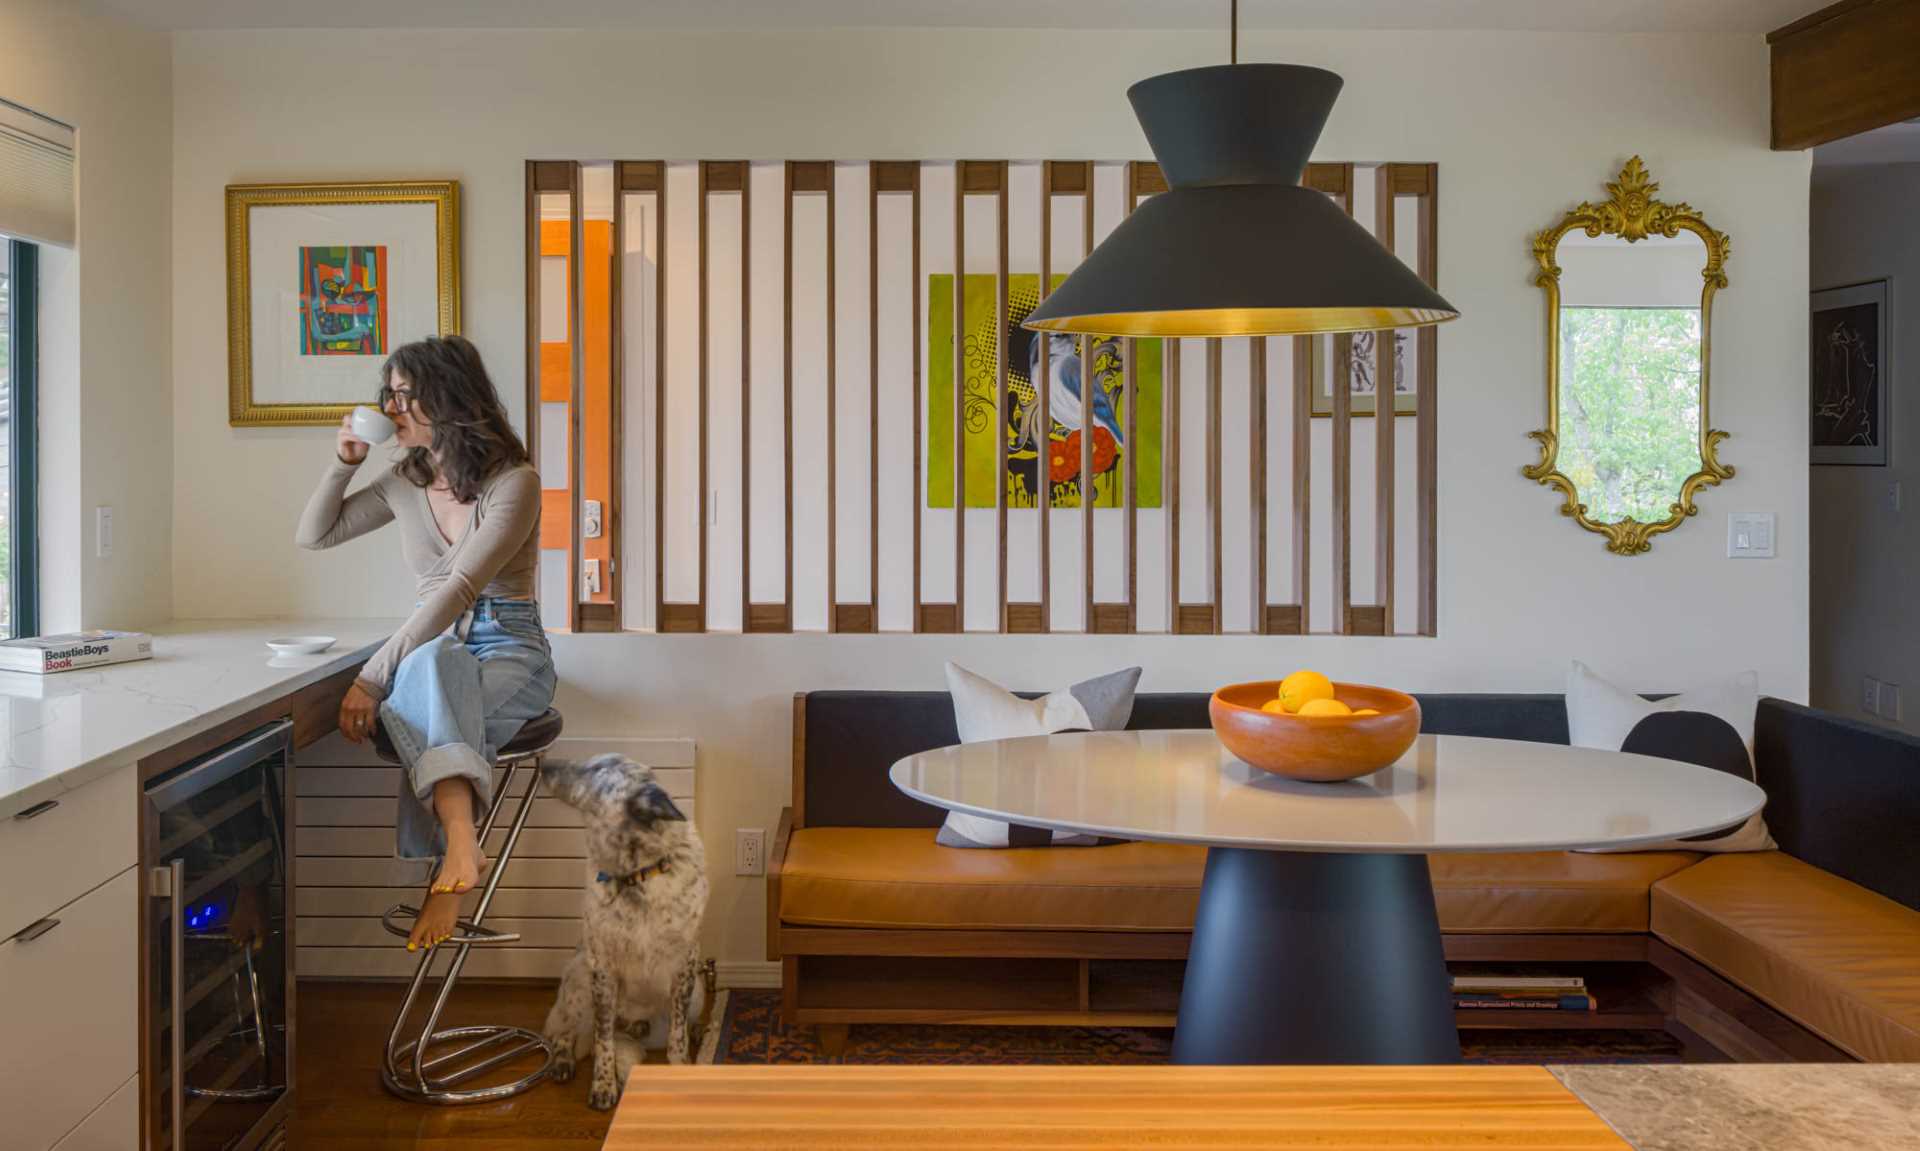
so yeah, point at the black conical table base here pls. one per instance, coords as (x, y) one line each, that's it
(1315, 958)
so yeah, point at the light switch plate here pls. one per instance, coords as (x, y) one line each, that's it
(1750, 535)
(1890, 701)
(1870, 696)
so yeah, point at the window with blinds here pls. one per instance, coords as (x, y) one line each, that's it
(36, 176)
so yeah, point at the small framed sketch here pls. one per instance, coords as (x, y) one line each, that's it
(323, 281)
(1850, 373)
(1363, 371)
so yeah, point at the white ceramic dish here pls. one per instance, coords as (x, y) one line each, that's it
(300, 644)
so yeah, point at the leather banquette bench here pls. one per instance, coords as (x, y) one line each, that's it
(1811, 952)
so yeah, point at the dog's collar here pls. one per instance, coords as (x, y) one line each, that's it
(623, 882)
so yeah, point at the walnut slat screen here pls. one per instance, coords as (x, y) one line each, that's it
(795, 396)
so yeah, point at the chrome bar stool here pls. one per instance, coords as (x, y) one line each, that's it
(410, 1069)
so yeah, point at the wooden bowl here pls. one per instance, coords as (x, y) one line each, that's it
(1319, 748)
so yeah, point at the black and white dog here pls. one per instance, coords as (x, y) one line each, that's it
(643, 911)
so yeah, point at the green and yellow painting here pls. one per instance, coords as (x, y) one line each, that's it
(1041, 463)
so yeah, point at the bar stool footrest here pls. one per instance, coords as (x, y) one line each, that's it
(467, 933)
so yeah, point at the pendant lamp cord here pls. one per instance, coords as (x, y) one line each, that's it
(1233, 34)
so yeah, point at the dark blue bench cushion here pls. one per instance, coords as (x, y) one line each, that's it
(1842, 795)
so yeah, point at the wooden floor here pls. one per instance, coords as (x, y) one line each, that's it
(341, 1030)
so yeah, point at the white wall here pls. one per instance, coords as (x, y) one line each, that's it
(1522, 590)
(1865, 554)
(106, 312)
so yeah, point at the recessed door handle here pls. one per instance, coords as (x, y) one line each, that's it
(37, 809)
(35, 930)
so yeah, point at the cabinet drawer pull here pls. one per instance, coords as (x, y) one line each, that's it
(40, 808)
(35, 930)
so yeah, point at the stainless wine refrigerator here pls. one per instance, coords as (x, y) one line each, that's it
(218, 969)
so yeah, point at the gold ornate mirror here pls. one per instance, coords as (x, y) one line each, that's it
(1630, 284)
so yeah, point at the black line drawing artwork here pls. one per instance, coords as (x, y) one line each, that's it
(1848, 374)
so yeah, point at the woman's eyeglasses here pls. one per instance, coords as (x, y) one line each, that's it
(401, 401)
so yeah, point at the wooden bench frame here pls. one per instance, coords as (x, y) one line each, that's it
(833, 977)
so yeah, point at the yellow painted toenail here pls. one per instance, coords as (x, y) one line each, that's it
(410, 945)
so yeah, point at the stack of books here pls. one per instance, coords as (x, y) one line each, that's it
(47, 654)
(1523, 992)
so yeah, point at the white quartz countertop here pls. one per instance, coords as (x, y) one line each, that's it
(58, 732)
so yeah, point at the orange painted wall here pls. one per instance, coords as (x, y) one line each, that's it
(556, 387)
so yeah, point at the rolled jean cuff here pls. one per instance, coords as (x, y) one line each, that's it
(452, 761)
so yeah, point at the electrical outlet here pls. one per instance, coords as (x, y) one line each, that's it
(1870, 696)
(1893, 496)
(749, 851)
(1890, 701)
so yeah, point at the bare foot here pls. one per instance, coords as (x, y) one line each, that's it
(435, 921)
(460, 869)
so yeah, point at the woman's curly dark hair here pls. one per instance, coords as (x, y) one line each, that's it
(472, 439)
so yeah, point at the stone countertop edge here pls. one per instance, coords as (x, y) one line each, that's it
(153, 720)
(1753, 1106)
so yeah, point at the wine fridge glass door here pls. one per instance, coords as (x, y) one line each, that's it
(217, 945)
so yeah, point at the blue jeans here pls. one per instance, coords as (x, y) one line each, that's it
(455, 701)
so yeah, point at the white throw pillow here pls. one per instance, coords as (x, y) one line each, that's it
(1710, 727)
(983, 710)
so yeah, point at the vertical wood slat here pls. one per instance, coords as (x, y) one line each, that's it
(1088, 494)
(1385, 416)
(1143, 179)
(807, 178)
(531, 222)
(1340, 391)
(1303, 479)
(1337, 180)
(1257, 472)
(959, 397)
(712, 175)
(1214, 346)
(650, 177)
(1004, 350)
(911, 172)
(889, 177)
(576, 384)
(1426, 429)
(1171, 487)
(1042, 387)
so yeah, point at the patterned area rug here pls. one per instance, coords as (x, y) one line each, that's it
(750, 1031)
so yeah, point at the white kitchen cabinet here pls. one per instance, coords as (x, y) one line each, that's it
(69, 994)
(113, 1126)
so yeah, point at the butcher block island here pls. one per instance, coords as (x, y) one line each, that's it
(144, 833)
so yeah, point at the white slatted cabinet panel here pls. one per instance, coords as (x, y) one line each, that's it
(347, 876)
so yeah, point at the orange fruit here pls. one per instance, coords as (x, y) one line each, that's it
(1324, 707)
(1274, 706)
(1366, 711)
(1302, 687)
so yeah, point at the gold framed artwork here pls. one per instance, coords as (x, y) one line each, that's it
(323, 281)
(1360, 353)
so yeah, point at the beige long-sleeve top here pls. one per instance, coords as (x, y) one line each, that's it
(497, 557)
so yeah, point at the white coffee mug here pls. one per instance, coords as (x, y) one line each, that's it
(371, 425)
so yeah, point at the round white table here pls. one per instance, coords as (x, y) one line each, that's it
(1316, 939)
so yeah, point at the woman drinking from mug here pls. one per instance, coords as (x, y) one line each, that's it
(471, 664)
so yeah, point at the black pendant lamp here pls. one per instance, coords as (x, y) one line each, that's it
(1236, 246)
